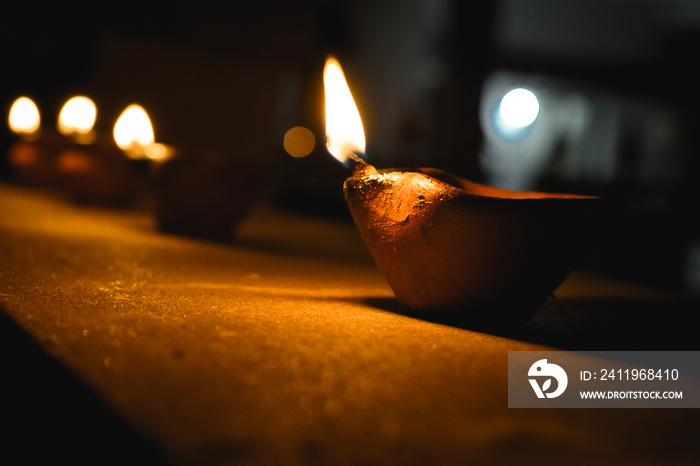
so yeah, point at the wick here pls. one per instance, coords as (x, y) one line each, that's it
(359, 166)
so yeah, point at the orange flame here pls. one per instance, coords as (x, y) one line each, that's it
(344, 132)
(24, 118)
(77, 118)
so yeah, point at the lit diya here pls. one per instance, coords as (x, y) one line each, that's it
(97, 170)
(200, 194)
(32, 157)
(448, 244)
(203, 195)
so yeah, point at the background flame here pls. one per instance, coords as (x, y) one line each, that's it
(344, 131)
(24, 116)
(133, 130)
(77, 116)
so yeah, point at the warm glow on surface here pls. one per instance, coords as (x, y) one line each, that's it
(344, 132)
(133, 131)
(519, 108)
(24, 116)
(77, 117)
(157, 151)
(299, 141)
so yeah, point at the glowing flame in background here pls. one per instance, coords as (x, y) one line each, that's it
(133, 131)
(24, 118)
(344, 132)
(77, 118)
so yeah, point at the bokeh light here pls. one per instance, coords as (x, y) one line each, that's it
(519, 108)
(299, 142)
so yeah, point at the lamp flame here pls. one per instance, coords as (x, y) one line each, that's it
(133, 131)
(77, 118)
(24, 117)
(344, 133)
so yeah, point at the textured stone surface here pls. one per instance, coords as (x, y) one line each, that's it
(284, 346)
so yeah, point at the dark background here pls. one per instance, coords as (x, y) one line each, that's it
(617, 82)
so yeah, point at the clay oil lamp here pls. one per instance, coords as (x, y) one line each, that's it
(446, 244)
(199, 193)
(32, 157)
(203, 195)
(94, 170)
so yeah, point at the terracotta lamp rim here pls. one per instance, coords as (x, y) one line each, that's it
(471, 188)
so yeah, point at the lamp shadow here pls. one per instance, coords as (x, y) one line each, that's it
(464, 320)
(584, 324)
(618, 324)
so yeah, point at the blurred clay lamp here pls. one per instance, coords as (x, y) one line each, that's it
(99, 173)
(33, 157)
(134, 135)
(448, 244)
(199, 194)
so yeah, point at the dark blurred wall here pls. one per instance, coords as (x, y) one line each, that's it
(207, 72)
(632, 64)
(231, 77)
